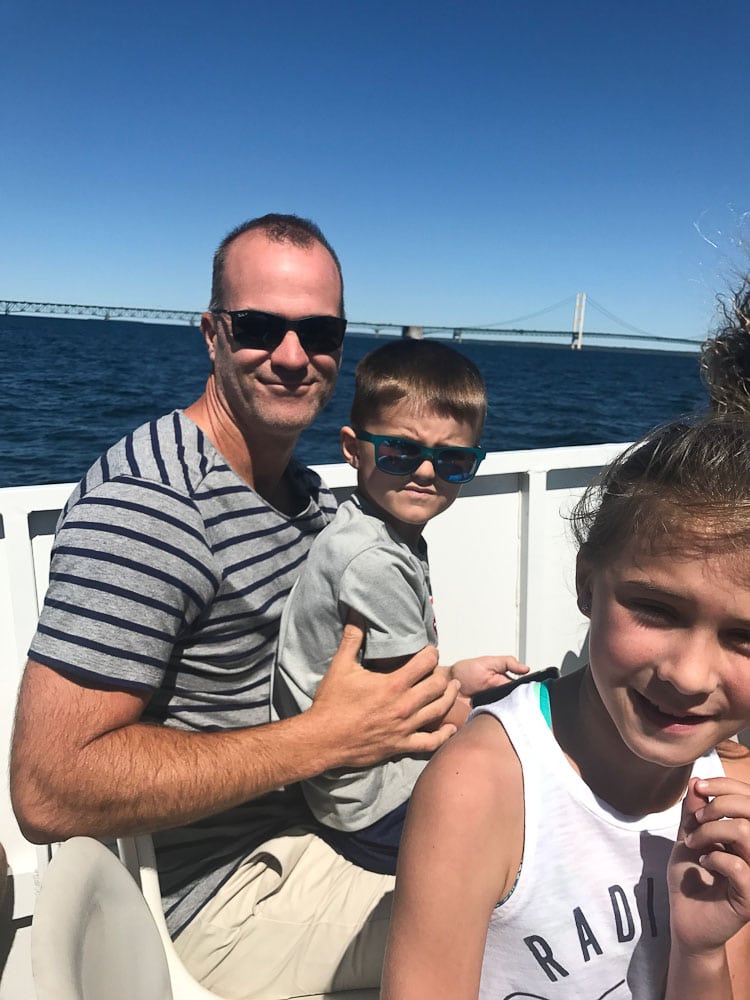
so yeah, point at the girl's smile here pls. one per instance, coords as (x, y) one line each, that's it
(670, 647)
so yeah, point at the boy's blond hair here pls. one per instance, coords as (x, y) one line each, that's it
(428, 373)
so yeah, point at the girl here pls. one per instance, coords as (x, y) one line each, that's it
(581, 838)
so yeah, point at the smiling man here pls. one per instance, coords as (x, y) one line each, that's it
(145, 703)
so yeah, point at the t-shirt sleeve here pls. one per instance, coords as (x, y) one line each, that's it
(131, 570)
(391, 593)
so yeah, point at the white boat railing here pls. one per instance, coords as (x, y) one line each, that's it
(502, 567)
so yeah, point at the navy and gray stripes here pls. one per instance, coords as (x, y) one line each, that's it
(169, 574)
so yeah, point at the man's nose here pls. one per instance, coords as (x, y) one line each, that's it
(290, 353)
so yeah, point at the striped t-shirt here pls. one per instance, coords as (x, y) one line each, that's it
(168, 576)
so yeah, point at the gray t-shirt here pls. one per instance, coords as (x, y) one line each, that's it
(168, 577)
(358, 562)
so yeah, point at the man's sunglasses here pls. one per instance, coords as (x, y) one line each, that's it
(400, 457)
(264, 331)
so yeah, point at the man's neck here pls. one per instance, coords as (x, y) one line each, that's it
(261, 463)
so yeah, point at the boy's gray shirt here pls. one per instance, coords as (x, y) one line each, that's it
(357, 562)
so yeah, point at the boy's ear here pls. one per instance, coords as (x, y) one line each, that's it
(350, 446)
(584, 572)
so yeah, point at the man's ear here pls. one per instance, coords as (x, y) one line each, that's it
(208, 328)
(584, 573)
(350, 446)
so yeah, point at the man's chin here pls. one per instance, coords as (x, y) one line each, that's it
(290, 419)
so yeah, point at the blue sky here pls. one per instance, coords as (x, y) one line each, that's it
(472, 163)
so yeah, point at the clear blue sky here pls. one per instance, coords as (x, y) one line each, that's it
(471, 163)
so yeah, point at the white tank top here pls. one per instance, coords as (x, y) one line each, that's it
(588, 918)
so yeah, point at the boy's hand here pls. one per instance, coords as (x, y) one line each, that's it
(481, 673)
(709, 869)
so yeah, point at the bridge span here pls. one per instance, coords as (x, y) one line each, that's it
(494, 334)
(99, 312)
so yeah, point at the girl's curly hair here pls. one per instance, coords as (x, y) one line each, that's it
(725, 356)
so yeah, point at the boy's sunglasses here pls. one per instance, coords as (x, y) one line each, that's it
(400, 457)
(264, 331)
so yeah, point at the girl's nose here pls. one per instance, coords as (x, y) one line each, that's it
(689, 666)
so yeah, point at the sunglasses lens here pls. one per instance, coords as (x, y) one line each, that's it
(321, 334)
(258, 330)
(456, 465)
(265, 331)
(397, 456)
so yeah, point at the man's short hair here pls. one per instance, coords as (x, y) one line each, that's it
(278, 229)
(431, 375)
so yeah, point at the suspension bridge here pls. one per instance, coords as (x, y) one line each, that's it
(500, 332)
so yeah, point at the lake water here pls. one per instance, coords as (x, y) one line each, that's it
(70, 388)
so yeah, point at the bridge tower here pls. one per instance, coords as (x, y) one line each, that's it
(580, 310)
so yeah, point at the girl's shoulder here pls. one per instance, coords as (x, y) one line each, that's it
(472, 791)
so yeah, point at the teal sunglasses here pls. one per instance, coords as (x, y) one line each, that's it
(400, 456)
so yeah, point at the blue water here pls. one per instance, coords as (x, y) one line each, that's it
(69, 388)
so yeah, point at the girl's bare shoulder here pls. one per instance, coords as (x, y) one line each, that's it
(481, 751)
(471, 793)
(475, 776)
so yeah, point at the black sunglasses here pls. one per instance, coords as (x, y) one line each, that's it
(264, 331)
(400, 457)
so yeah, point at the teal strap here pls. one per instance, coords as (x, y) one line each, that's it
(544, 702)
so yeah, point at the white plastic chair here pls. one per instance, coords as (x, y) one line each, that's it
(92, 936)
(137, 854)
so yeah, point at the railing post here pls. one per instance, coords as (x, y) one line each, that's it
(532, 562)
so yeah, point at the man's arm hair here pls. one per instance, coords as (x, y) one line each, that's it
(83, 762)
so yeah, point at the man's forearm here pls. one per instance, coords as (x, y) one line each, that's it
(142, 778)
(83, 763)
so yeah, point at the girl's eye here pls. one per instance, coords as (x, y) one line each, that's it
(653, 614)
(739, 639)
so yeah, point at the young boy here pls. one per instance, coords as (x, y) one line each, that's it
(416, 421)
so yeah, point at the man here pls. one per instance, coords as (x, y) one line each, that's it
(144, 706)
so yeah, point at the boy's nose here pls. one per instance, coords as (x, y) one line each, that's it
(425, 471)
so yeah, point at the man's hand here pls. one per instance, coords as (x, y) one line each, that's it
(372, 716)
(481, 673)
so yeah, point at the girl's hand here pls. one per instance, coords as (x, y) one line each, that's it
(709, 869)
(481, 673)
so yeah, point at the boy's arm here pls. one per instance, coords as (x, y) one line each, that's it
(479, 673)
(459, 855)
(461, 708)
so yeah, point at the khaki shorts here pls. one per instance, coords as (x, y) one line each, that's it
(296, 919)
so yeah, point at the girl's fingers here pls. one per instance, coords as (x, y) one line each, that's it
(736, 872)
(733, 836)
(730, 805)
(711, 787)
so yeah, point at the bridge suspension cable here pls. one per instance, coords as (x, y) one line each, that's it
(616, 319)
(522, 319)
